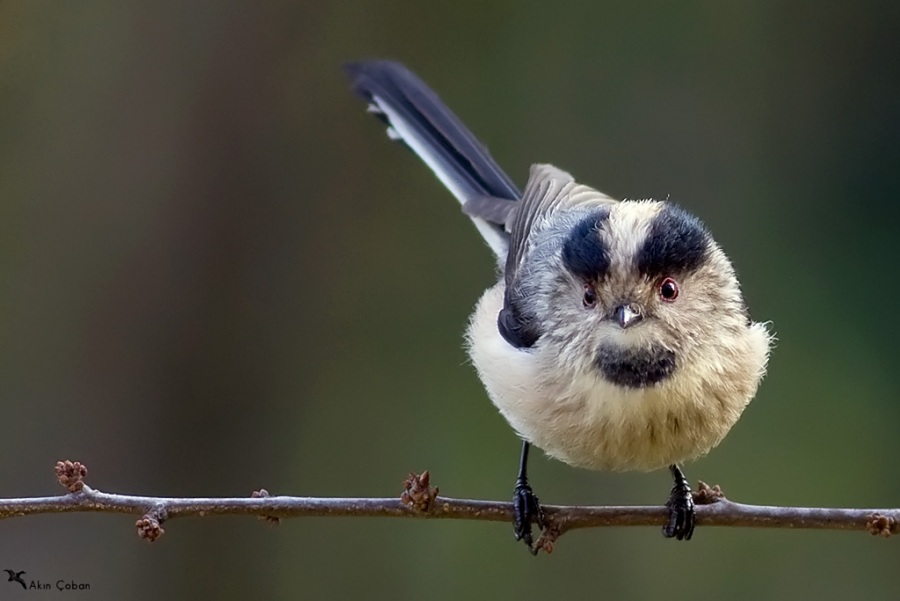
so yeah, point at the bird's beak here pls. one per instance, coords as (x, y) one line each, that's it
(628, 315)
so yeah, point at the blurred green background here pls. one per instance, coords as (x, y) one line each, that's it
(216, 275)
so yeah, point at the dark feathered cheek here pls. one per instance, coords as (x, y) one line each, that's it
(635, 368)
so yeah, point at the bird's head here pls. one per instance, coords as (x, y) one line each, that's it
(631, 290)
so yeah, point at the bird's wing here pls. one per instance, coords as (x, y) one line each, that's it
(415, 115)
(547, 190)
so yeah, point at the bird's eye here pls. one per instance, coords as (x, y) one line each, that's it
(668, 290)
(590, 297)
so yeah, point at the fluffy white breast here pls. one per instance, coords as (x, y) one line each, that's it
(579, 418)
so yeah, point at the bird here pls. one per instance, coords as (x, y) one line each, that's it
(16, 577)
(616, 336)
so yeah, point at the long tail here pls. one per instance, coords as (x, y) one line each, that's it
(415, 115)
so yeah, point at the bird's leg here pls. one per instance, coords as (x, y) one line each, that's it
(681, 508)
(526, 507)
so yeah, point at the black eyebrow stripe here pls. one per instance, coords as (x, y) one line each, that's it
(677, 242)
(584, 253)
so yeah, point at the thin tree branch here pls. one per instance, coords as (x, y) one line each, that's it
(420, 500)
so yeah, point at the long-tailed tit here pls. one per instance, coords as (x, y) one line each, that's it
(616, 337)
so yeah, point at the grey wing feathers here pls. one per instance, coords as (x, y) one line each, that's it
(415, 115)
(493, 209)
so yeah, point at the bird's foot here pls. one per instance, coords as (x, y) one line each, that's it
(526, 509)
(681, 510)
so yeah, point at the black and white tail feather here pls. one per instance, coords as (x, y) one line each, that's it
(417, 117)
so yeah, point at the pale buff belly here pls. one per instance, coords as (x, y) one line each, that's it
(587, 422)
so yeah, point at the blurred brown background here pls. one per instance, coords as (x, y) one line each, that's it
(216, 275)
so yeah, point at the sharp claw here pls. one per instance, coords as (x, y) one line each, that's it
(681, 522)
(526, 509)
(681, 511)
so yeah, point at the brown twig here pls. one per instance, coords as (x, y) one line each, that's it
(565, 517)
(718, 511)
